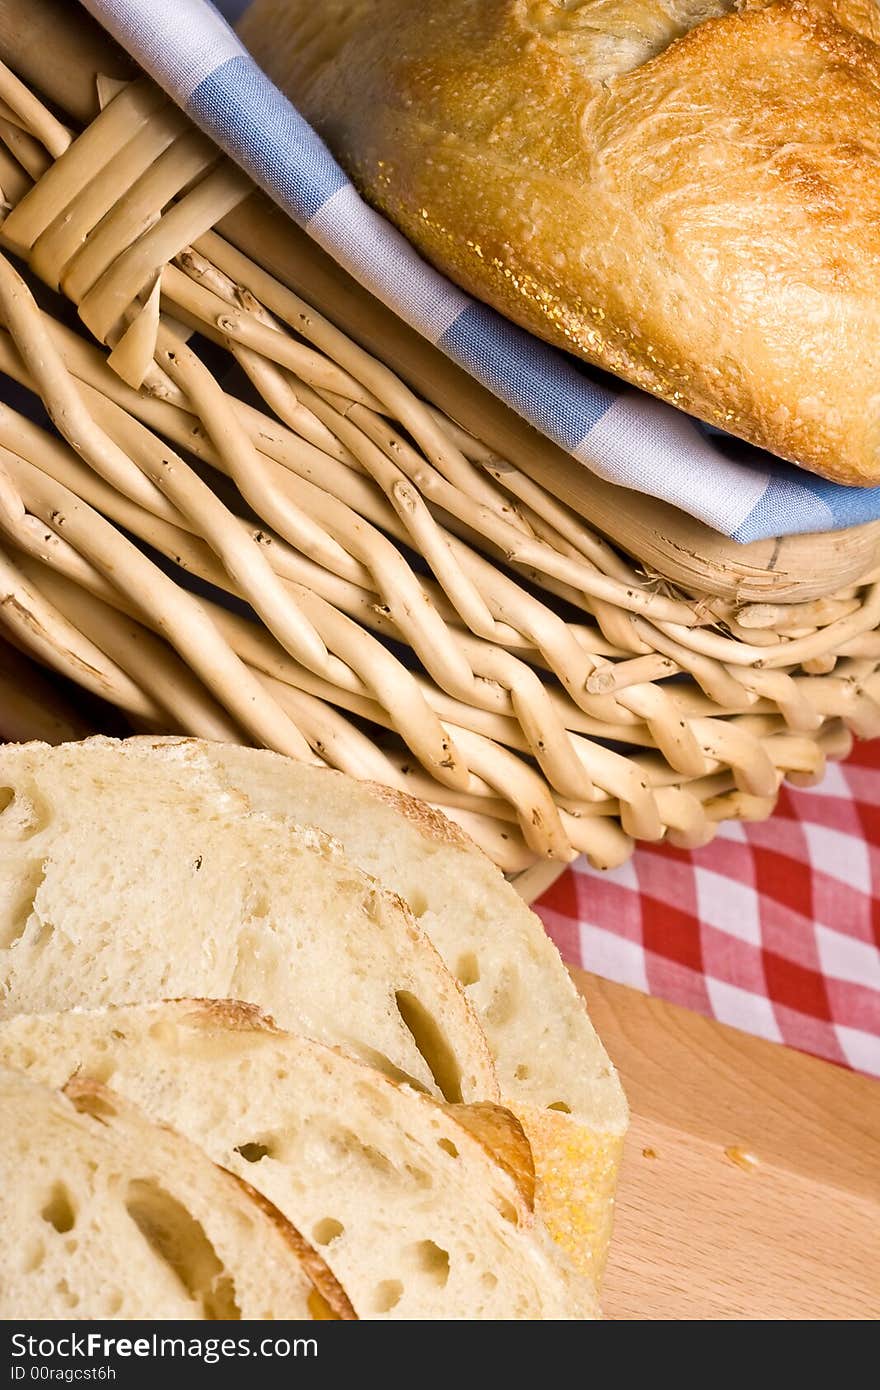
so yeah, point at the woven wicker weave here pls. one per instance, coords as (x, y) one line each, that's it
(248, 527)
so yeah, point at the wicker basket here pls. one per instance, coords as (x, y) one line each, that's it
(250, 526)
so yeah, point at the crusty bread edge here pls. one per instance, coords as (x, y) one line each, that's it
(577, 1170)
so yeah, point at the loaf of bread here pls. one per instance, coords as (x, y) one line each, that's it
(684, 192)
(553, 1071)
(107, 1215)
(122, 881)
(421, 1209)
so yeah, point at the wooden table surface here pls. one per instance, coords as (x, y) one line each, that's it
(751, 1180)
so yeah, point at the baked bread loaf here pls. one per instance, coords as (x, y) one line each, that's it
(122, 881)
(107, 1215)
(421, 1209)
(686, 194)
(553, 1071)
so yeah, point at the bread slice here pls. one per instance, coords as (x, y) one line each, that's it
(122, 880)
(553, 1071)
(422, 1210)
(107, 1215)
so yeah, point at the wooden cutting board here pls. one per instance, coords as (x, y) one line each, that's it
(751, 1180)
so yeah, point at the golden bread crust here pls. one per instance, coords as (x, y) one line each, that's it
(704, 223)
(577, 1172)
(501, 1134)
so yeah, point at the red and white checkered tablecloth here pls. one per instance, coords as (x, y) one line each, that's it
(773, 928)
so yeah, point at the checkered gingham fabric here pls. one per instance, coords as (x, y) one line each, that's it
(773, 927)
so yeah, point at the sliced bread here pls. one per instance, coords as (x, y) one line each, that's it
(108, 1215)
(553, 1071)
(421, 1209)
(122, 880)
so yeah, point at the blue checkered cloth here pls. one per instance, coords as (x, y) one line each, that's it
(619, 433)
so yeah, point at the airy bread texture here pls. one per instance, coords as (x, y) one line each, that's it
(684, 192)
(406, 1197)
(552, 1068)
(106, 1215)
(122, 881)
